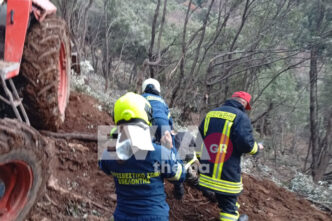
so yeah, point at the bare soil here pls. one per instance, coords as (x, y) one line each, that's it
(84, 114)
(78, 190)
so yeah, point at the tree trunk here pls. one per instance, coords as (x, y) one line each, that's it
(107, 60)
(325, 150)
(183, 58)
(314, 114)
(153, 33)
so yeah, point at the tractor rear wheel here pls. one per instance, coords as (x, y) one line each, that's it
(23, 169)
(45, 72)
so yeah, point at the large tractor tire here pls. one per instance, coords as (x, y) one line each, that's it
(45, 72)
(23, 169)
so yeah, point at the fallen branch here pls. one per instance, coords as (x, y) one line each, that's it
(71, 136)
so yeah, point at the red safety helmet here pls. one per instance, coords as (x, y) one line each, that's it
(244, 95)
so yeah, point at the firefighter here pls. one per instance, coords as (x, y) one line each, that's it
(161, 118)
(138, 165)
(226, 133)
(160, 112)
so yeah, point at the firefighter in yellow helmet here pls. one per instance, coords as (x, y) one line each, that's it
(139, 166)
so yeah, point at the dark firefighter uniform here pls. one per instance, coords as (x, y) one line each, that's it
(139, 166)
(140, 184)
(227, 134)
(163, 120)
(160, 114)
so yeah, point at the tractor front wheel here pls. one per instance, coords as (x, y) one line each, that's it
(23, 169)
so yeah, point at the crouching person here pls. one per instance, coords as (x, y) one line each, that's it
(139, 166)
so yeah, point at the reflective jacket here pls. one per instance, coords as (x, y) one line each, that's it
(159, 108)
(227, 134)
(140, 182)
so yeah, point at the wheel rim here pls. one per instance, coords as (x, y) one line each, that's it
(17, 179)
(63, 80)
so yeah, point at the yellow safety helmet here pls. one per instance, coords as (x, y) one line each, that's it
(131, 108)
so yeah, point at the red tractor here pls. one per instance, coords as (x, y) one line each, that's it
(34, 56)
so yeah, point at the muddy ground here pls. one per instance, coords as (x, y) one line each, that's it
(77, 190)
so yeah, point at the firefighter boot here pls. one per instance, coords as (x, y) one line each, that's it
(178, 191)
(243, 217)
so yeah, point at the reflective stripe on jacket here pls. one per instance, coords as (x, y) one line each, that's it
(140, 182)
(159, 108)
(227, 134)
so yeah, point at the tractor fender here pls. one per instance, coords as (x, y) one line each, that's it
(42, 8)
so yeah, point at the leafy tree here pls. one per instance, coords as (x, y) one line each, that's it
(316, 37)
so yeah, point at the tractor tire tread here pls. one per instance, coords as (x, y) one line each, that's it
(20, 142)
(38, 87)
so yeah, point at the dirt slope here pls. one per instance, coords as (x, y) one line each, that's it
(78, 190)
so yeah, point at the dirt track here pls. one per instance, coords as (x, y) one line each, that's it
(78, 190)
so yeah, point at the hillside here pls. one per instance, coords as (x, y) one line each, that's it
(78, 190)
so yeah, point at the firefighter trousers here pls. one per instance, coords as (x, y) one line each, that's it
(228, 207)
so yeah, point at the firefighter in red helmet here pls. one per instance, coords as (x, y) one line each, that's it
(227, 134)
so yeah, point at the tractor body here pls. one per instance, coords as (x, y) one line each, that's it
(15, 16)
(29, 30)
(35, 68)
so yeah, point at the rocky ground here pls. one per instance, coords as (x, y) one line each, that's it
(77, 190)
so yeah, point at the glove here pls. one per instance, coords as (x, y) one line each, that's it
(178, 191)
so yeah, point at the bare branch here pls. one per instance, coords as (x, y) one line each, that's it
(197, 53)
(72, 136)
(183, 57)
